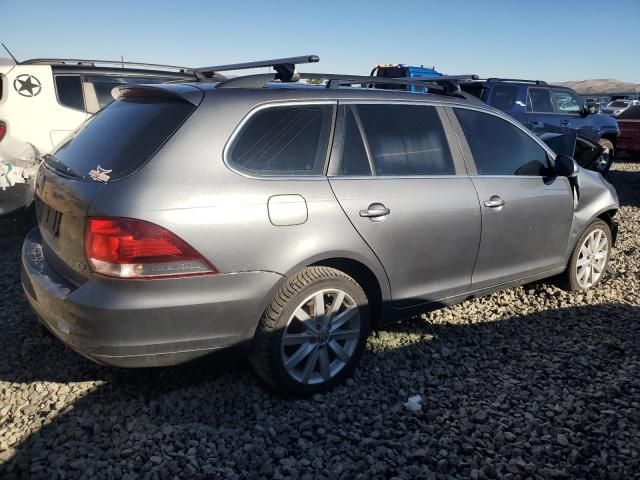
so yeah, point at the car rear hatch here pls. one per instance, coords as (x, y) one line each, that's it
(114, 144)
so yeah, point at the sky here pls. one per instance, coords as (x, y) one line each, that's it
(553, 40)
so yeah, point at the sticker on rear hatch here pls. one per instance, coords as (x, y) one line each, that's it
(100, 174)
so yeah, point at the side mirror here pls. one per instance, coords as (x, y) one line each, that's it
(566, 167)
(592, 109)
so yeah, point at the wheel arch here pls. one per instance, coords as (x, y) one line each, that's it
(365, 277)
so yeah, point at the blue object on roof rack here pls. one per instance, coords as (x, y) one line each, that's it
(404, 71)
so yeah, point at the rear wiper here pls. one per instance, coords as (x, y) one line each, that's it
(56, 164)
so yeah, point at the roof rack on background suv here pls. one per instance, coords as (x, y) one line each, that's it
(537, 82)
(84, 62)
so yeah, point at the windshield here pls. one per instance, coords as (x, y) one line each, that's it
(619, 103)
(121, 138)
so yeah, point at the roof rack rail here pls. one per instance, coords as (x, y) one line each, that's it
(285, 67)
(439, 85)
(494, 79)
(80, 62)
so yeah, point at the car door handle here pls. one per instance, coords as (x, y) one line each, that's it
(565, 122)
(375, 210)
(494, 202)
(536, 123)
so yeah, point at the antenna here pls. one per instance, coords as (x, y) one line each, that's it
(9, 52)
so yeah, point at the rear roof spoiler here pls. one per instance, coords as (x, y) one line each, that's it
(174, 91)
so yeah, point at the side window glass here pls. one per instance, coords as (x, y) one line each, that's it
(539, 100)
(567, 101)
(69, 91)
(288, 140)
(500, 148)
(354, 159)
(406, 140)
(503, 97)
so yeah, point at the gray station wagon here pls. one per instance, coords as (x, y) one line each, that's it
(291, 219)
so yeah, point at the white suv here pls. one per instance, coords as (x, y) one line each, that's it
(43, 100)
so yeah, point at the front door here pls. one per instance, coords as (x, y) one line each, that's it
(408, 197)
(570, 111)
(526, 211)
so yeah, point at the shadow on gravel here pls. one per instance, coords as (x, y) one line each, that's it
(547, 395)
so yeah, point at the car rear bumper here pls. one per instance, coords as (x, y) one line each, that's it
(133, 323)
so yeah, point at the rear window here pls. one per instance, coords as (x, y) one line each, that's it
(631, 113)
(289, 140)
(122, 137)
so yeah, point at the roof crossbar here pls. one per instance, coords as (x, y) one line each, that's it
(285, 67)
(80, 62)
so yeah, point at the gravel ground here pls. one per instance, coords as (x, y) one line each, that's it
(527, 383)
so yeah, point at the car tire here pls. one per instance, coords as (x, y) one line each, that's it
(301, 351)
(603, 165)
(588, 263)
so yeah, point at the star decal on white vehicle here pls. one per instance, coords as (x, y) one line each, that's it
(27, 85)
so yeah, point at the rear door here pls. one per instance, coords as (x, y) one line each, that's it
(406, 192)
(526, 211)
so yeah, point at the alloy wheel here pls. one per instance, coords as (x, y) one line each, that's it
(321, 336)
(592, 258)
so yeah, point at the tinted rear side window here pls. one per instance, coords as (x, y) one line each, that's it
(500, 148)
(503, 97)
(69, 91)
(123, 137)
(539, 100)
(289, 140)
(406, 140)
(354, 155)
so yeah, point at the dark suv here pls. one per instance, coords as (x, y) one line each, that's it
(545, 108)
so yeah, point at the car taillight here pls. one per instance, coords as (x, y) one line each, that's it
(128, 248)
(3, 130)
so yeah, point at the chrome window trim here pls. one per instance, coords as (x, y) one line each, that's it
(275, 104)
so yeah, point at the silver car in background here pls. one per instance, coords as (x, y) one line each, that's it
(187, 218)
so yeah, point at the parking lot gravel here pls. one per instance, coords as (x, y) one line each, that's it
(532, 383)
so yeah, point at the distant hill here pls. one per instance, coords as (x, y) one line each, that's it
(601, 85)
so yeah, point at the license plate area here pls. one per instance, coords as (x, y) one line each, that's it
(50, 220)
